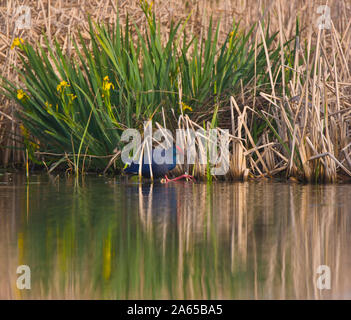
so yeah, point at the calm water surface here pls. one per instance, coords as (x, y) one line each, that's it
(107, 239)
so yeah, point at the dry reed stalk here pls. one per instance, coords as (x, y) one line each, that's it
(320, 119)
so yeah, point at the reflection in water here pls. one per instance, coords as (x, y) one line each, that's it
(105, 239)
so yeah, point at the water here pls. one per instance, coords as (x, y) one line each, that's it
(107, 239)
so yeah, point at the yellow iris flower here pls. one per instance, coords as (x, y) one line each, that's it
(16, 42)
(21, 95)
(107, 85)
(72, 96)
(186, 107)
(62, 85)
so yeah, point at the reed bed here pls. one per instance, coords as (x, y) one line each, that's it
(275, 80)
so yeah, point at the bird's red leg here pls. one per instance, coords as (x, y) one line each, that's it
(184, 176)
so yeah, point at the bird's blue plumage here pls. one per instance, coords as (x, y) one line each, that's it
(158, 170)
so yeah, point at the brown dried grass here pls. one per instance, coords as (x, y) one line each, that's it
(321, 141)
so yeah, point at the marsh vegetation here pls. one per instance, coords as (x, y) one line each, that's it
(264, 70)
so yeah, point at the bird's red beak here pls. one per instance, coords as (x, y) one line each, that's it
(179, 149)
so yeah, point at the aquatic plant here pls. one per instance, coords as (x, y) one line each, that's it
(285, 102)
(77, 108)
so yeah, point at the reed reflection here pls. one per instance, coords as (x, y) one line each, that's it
(144, 241)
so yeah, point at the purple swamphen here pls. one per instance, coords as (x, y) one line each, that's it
(158, 170)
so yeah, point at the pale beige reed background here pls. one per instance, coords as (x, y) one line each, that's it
(326, 138)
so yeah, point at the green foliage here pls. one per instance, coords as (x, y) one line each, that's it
(118, 82)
